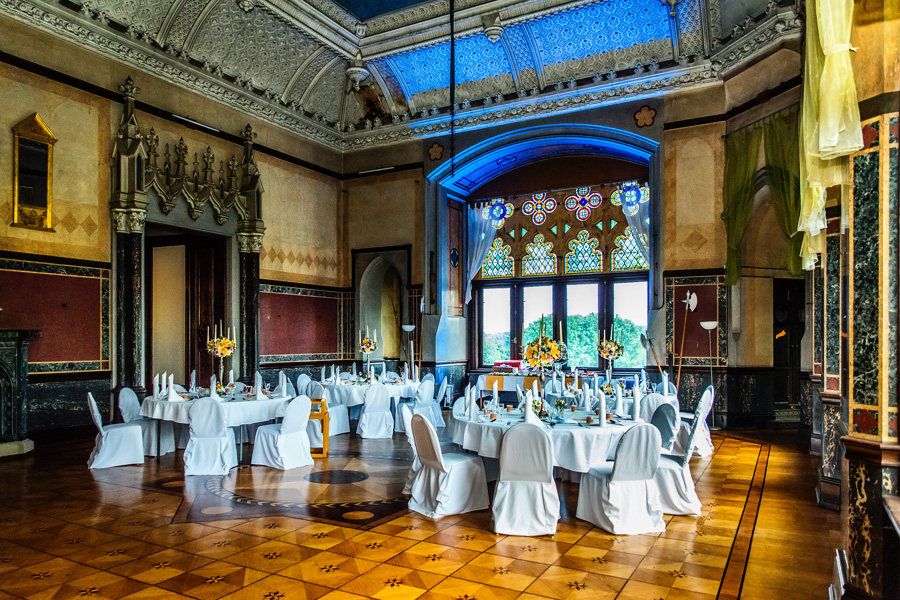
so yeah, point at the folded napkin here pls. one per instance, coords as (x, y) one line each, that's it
(636, 405)
(193, 387)
(164, 381)
(530, 417)
(495, 396)
(171, 383)
(473, 405)
(665, 383)
(332, 373)
(281, 389)
(230, 376)
(596, 383)
(354, 369)
(258, 386)
(534, 388)
(584, 400)
(602, 407)
(173, 395)
(212, 388)
(322, 378)
(156, 386)
(620, 403)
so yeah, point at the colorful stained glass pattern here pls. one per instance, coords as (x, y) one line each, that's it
(539, 258)
(582, 201)
(583, 256)
(539, 206)
(497, 212)
(626, 256)
(498, 262)
(630, 198)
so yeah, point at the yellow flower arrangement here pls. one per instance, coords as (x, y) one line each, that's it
(610, 349)
(544, 352)
(368, 346)
(220, 347)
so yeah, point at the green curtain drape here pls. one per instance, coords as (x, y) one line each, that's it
(782, 148)
(741, 155)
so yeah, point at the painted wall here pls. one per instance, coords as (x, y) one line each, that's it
(169, 321)
(387, 210)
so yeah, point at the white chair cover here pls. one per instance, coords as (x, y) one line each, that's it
(459, 407)
(115, 445)
(651, 402)
(622, 497)
(375, 420)
(437, 417)
(702, 443)
(428, 377)
(526, 501)
(425, 405)
(665, 419)
(211, 449)
(447, 484)
(302, 383)
(673, 476)
(406, 415)
(285, 445)
(338, 417)
(666, 388)
(130, 409)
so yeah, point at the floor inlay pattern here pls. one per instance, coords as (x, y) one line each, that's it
(147, 532)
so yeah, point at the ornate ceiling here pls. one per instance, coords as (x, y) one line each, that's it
(286, 61)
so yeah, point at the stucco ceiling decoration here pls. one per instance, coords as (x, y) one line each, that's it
(287, 61)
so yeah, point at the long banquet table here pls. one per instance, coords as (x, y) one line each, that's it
(575, 447)
(353, 394)
(237, 411)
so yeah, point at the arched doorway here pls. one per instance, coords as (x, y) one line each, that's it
(380, 307)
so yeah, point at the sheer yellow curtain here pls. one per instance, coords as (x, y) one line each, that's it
(829, 119)
(839, 130)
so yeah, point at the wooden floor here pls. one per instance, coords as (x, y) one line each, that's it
(340, 530)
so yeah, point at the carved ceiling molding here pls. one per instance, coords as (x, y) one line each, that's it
(93, 30)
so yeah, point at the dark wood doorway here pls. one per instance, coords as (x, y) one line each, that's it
(789, 302)
(203, 288)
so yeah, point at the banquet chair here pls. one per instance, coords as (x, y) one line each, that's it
(130, 409)
(651, 401)
(437, 417)
(424, 403)
(302, 383)
(211, 449)
(338, 416)
(702, 445)
(622, 497)
(179, 388)
(291, 391)
(345, 375)
(428, 377)
(665, 419)
(375, 419)
(447, 484)
(673, 476)
(526, 501)
(661, 389)
(459, 406)
(390, 375)
(115, 445)
(406, 415)
(285, 445)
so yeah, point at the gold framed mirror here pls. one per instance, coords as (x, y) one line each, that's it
(32, 173)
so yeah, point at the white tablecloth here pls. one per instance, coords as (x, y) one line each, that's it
(237, 412)
(354, 394)
(574, 448)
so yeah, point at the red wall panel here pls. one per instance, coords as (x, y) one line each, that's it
(290, 324)
(696, 344)
(65, 308)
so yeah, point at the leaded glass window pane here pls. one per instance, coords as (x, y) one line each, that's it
(539, 258)
(583, 256)
(498, 262)
(627, 255)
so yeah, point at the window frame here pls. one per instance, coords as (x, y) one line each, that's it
(605, 309)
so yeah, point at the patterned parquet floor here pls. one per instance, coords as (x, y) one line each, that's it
(341, 530)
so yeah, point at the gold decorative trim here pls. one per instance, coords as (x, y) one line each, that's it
(25, 215)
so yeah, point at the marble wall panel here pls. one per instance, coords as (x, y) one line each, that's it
(61, 404)
(818, 320)
(831, 447)
(832, 277)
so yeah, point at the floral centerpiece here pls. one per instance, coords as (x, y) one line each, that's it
(368, 345)
(221, 348)
(610, 349)
(544, 352)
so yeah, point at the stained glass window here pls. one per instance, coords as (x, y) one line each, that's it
(497, 212)
(583, 256)
(630, 198)
(538, 206)
(582, 201)
(498, 262)
(539, 258)
(627, 255)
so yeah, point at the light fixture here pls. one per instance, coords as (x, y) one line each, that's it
(493, 28)
(356, 70)
(709, 326)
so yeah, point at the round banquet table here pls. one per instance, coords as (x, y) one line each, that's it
(353, 394)
(576, 448)
(237, 411)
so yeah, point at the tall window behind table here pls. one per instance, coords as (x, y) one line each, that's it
(537, 303)
(495, 325)
(582, 323)
(630, 320)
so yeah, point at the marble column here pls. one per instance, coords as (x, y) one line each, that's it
(818, 320)
(129, 269)
(828, 491)
(249, 243)
(872, 449)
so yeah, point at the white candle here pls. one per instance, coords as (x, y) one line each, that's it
(560, 331)
(375, 335)
(207, 334)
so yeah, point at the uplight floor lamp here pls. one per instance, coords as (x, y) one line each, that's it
(709, 326)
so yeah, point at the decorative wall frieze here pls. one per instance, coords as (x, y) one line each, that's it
(325, 124)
